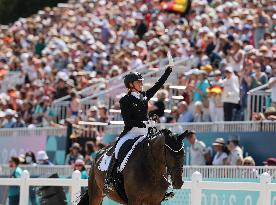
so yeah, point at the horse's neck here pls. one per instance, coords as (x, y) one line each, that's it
(157, 150)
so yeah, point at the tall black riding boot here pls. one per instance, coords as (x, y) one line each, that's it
(108, 186)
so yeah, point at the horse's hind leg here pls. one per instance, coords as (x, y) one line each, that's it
(95, 194)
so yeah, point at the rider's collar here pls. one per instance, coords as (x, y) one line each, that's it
(136, 94)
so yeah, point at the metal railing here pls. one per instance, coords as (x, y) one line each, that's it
(49, 131)
(258, 99)
(148, 74)
(115, 86)
(235, 126)
(95, 88)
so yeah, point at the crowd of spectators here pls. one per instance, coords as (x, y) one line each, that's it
(230, 47)
(225, 153)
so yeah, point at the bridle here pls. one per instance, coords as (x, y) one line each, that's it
(170, 170)
(175, 151)
(179, 166)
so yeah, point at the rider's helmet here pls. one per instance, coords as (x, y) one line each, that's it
(131, 77)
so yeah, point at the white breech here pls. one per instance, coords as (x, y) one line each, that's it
(132, 134)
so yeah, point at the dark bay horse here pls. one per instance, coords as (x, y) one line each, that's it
(145, 173)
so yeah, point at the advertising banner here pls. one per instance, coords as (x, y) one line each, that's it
(14, 146)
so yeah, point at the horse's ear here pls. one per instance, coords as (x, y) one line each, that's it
(183, 135)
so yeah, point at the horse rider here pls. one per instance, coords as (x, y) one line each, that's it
(134, 110)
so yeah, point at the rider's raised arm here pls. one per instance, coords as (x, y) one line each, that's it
(151, 92)
(126, 113)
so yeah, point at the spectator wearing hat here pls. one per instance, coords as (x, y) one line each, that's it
(115, 71)
(19, 121)
(210, 44)
(14, 191)
(201, 114)
(221, 156)
(198, 152)
(74, 154)
(271, 161)
(43, 113)
(92, 114)
(10, 121)
(230, 94)
(215, 103)
(214, 97)
(269, 114)
(235, 56)
(79, 165)
(200, 90)
(184, 114)
(136, 62)
(42, 158)
(236, 154)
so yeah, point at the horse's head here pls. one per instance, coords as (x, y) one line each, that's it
(174, 156)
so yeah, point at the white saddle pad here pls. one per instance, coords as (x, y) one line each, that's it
(105, 161)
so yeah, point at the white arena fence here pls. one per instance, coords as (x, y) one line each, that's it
(216, 172)
(75, 183)
(196, 185)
